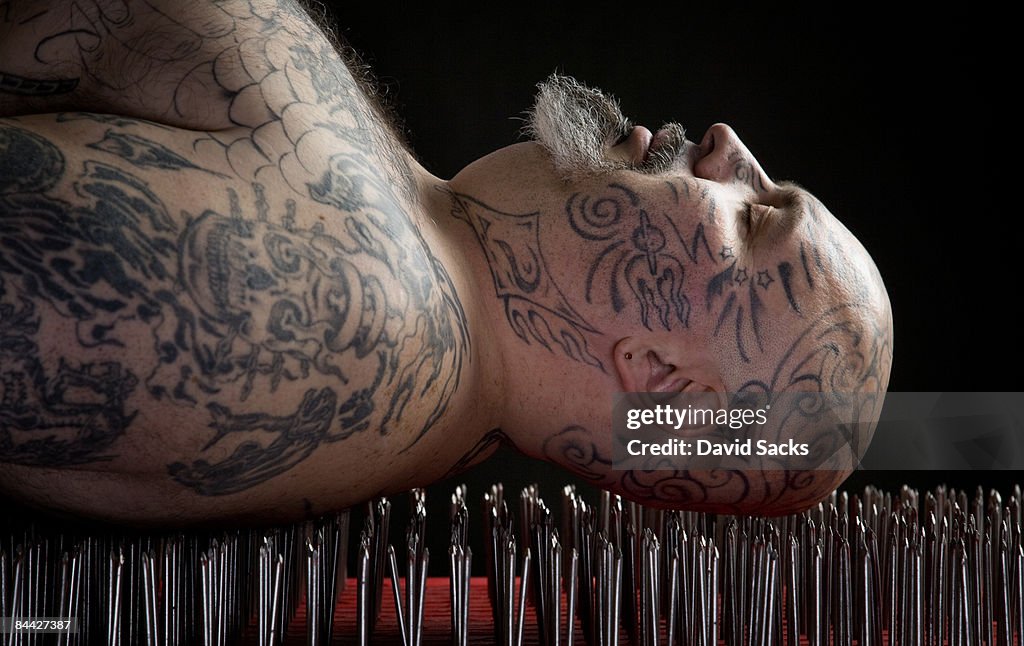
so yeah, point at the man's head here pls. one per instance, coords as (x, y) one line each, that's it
(667, 265)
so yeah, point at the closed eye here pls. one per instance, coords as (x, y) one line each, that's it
(754, 216)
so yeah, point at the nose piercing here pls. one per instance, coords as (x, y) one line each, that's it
(629, 355)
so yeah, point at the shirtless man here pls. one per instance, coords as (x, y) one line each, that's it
(228, 291)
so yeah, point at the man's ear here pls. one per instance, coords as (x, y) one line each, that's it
(643, 365)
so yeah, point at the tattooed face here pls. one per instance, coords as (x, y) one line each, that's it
(641, 233)
(653, 263)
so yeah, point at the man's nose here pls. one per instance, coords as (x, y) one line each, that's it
(725, 159)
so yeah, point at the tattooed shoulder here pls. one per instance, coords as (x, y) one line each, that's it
(231, 267)
(244, 293)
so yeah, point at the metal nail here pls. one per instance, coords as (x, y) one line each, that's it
(363, 593)
(393, 561)
(523, 585)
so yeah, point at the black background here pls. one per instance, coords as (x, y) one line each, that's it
(891, 121)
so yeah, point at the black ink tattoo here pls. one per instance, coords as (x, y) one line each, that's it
(786, 276)
(481, 450)
(286, 301)
(296, 436)
(71, 417)
(745, 173)
(641, 249)
(28, 163)
(745, 302)
(575, 449)
(317, 102)
(730, 303)
(76, 413)
(24, 86)
(756, 309)
(807, 271)
(536, 308)
(144, 153)
(239, 299)
(740, 346)
(636, 253)
(843, 351)
(90, 260)
(236, 304)
(114, 120)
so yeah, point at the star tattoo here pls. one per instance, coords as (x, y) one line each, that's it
(741, 276)
(726, 253)
(764, 279)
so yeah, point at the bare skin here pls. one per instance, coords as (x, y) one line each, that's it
(228, 292)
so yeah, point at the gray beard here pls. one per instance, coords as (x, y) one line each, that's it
(577, 125)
